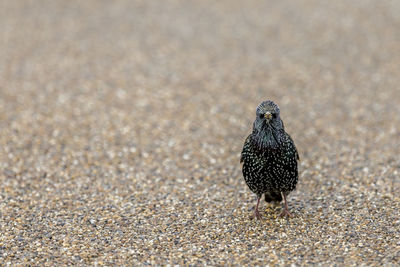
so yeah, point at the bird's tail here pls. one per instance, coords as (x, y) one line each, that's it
(273, 196)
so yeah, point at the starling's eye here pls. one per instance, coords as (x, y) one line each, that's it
(261, 116)
(274, 115)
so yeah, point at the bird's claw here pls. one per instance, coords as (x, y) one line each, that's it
(256, 215)
(286, 213)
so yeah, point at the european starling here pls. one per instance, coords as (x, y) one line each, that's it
(270, 158)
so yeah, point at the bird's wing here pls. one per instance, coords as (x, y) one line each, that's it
(297, 153)
(294, 146)
(246, 144)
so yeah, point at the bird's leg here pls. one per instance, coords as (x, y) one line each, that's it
(285, 212)
(256, 212)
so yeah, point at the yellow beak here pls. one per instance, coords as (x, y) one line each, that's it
(268, 115)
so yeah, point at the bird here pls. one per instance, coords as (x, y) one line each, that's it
(269, 158)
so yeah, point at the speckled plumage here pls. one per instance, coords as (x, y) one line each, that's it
(270, 157)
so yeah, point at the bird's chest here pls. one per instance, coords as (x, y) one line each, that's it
(267, 163)
(273, 162)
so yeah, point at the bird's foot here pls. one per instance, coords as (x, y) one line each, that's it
(256, 215)
(285, 213)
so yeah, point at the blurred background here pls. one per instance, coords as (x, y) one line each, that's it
(131, 116)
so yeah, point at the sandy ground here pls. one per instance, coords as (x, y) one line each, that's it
(122, 124)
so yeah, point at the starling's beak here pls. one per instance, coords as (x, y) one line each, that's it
(268, 116)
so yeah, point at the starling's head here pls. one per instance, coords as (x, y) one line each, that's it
(268, 126)
(268, 111)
